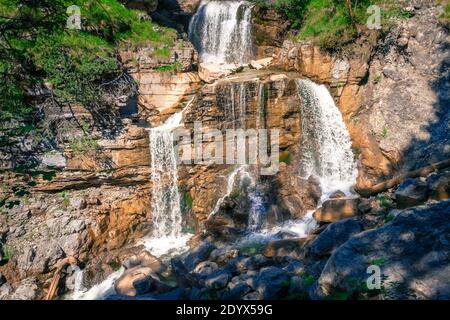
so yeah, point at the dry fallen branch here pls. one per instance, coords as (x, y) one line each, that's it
(422, 172)
(60, 266)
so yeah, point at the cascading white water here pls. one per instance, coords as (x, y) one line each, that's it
(221, 31)
(326, 144)
(167, 218)
(166, 198)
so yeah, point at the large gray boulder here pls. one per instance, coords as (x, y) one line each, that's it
(412, 252)
(411, 192)
(270, 282)
(333, 236)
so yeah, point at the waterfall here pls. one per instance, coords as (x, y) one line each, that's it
(235, 104)
(221, 31)
(167, 218)
(166, 198)
(325, 143)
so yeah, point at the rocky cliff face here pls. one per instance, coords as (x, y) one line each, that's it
(377, 93)
(392, 91)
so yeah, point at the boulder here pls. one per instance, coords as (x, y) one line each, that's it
(27, 290)
(205, 268)
(333, 236)
(411, 192)
(197, 255)
(439, 186)
(143, 259)
(237, 291)
(243, 264)
(261, 63)
(270, 282)
(136, 281)
(182, 275)
(337, 209)
(295, 267)
(210, 72)
(223, 255)
(277, 248)
(412, 252)
(218, 280)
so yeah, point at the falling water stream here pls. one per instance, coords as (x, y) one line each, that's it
(221, 31)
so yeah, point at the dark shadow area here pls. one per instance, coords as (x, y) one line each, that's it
(437, 146)
(170, 14)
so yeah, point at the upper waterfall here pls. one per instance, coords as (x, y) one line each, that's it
(221, 31)
(325, 143)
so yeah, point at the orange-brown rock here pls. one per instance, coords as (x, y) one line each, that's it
(334, 210)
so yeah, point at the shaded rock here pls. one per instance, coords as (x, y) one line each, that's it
(411, 192)
(237, 291)
(333, 236)
(243, 264)
(439, 186)
(295, 267)
(143, 259)
(136, 281)
(284, 247)
(337, 209)
(205, 268)
(298, 287)
(218, 280)
(255, 295)
(2, 279)
(364, 206)
(412, 252)
(27, 290)
(199, 254)
(5, 291)
(270, 282)
(182, 275)
(337, 194)
(223, 255)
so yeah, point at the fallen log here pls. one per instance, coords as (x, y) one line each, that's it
(422, 172)
(60, 266)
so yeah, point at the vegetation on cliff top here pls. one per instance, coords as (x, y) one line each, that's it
(329, 23)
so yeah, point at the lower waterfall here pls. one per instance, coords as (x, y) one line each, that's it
(325, 145)
(167, 218)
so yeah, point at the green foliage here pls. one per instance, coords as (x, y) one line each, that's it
(378, 262)
(356, 152)
(308, 279)
(168, 67)
(285, 157)
(84, 144)
(445, 16)
(115, 265)
(188, 200)
(65, 199)
(8, 253)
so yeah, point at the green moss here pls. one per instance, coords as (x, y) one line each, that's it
(168, 67)
(285, 157)
(163, 52)
(82, 145)
(8, 253)
(188, 200)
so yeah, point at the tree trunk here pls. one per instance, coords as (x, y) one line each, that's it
(350, 11)
(422, 172)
